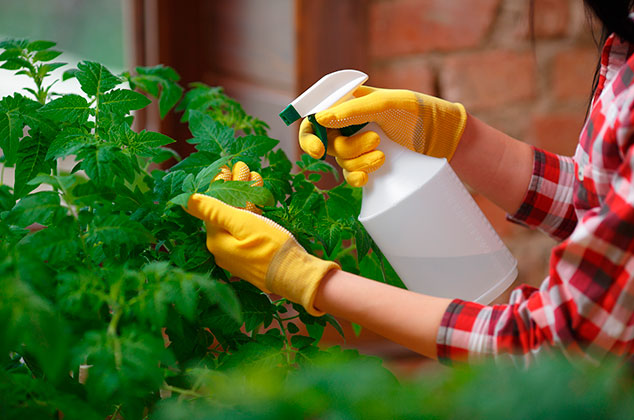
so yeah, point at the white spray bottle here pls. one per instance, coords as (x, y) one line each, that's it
(418, 212)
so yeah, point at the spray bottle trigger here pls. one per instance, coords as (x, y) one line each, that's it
(351, 129)
(320, 132)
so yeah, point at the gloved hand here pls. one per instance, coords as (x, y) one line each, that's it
(260, 251)
(422, 123)
(241, 172)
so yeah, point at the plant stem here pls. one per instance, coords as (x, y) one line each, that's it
(112, 333)
(116, 413)
(183, 391)
(287, 343)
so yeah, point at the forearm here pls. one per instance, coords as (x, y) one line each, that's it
(405, 317)
(494, 164)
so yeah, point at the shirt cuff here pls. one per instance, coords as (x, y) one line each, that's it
(547, 204)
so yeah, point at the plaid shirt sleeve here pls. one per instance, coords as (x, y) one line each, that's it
(547, 205)
(585, 306)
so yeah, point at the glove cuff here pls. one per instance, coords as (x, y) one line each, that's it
(444, 123)
(295, 275)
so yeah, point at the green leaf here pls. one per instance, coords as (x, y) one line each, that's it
(105, 164)
(31, 161)
(15, 111)
(356, 328)
(148, 143)
(329, 234)
(170, 185)
(206, 175)
(68, 108)
(170, 96)
(210, 135)
(46, 55)
(68, 142)
(10, 132)
(12, 53)
(40, 45)
(195, 162)
(344, 201)
(222, 295)
(334, 323)
(94, 78)
(362, 240)
(7, 201)
(237, 193)
(116, 230)
(58, 245)
(301, 341)
(17, 63)
(276, 182)
(45, 69)
(123, 101)
(70, 74)
(256, 146)
(181, 199)
(307, 163)
(42, 207)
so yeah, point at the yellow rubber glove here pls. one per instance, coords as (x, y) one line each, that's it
(260, 251)
(422, 123)
(241, 172)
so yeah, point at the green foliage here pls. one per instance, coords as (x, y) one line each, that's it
(105, 276)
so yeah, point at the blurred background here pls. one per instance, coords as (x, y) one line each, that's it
(478, 52)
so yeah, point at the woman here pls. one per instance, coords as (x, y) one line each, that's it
(586, 304)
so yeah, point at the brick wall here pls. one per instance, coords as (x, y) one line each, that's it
(479, 52)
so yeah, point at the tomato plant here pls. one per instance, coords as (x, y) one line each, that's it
(100, 266)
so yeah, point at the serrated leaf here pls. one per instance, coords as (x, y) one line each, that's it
(170, 185)
(68, 142)
(31, 161)
(116, 230)
(94, 78)
(329, 235)
(148, 143)
(210, 135)
(123, 101)
(253, 146)
(276, 182)
(56, 244)
(195, 162)
(42, 207)
(237, 193)
(106, 165)
(69, 108)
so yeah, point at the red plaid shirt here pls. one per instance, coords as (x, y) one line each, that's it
(586, 304)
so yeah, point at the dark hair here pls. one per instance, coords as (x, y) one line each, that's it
(614, 15)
